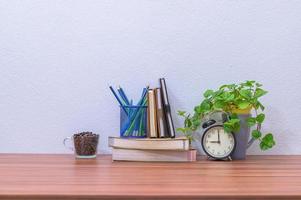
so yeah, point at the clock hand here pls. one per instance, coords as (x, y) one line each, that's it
(214, 142)
(219, 141)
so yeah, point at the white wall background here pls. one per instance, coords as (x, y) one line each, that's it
(57, 59)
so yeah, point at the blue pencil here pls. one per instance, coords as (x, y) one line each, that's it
(134, 115)
(123, 95)
(119, 101)
(144, 92)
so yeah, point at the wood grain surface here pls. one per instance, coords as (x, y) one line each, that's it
(27, 176)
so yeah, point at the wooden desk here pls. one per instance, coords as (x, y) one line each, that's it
(63, 177)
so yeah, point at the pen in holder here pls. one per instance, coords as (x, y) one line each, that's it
(133, 121)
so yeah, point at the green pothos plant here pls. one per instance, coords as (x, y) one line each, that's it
(232, 99)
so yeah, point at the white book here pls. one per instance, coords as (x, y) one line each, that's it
(153, 155)
(180, 143)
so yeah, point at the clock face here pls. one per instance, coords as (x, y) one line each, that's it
(217, 143)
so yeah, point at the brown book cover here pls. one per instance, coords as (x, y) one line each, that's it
(152, 114)
(161, 121)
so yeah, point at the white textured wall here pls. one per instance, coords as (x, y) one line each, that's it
(57, 59)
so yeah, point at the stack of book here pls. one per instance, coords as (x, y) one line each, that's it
(161, 143)
(154, 150)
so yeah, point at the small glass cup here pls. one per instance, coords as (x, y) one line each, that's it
(84, 144)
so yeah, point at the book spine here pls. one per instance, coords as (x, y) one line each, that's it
(166, 107)
(161, 121)
(152, 119)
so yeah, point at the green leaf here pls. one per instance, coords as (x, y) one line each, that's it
(181, 130)
(249, 83)
(232, 86)
(220, 96)
(267, 142)
(232, 125)
(231, 97)
(198, 110)
(205, 106)
(223, 87)
(234, 116)
(196, 122)
(217, 93)
(251, 121)
(259, 105)
(234, 121)
(243, 105)
(263, 146)
(256, 134)
(228, 86)
(268, 137)
(246, 94)
(259, 92)
(226, 97)
(208, 93)
(237, 126)
(260, 118)
(227, 128)
(258, 84)
(218, 104)
(187, 122)
(181, 113)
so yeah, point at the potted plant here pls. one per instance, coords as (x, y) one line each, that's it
(245, 111)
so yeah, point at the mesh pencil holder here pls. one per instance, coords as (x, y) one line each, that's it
(133, 121)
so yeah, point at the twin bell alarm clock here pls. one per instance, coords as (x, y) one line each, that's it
(216, 143)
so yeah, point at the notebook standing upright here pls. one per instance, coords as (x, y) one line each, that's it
(166, 107)
(161, 121)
